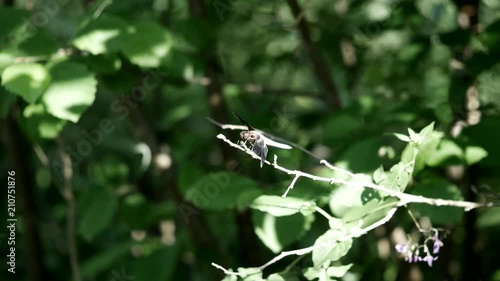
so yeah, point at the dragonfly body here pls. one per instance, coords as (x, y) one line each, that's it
(259, 142)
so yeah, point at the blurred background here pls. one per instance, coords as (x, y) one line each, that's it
(120, 176)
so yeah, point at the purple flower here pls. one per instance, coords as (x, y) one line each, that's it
(429, 259)
(437, 244)
(402, 248)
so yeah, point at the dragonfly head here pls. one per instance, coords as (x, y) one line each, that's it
(250, 136)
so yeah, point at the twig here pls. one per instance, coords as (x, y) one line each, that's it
(404, 197)
(292, 184)
(67, 192)
(322, 212)
(307, 250)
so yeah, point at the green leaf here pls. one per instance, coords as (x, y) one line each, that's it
(426, 149)
(474, 154)
(230, 278)
(370, 213)
(178, 65)
(312, 273)
(442, 14)
(330, 250)
(338, 271)
(438, 188)
(448, 152)
(369, 148)
(97, 211)
(105, 64)
(486, 135)
(42, 43)
(402, 137)
(489, 218)
(346, 197)
(71, 92)
(341, 125)
(282, 206)
(7, 58)
(38, 124)
(104, 260)
(28, 80)
(398, 176)
(158, 266)
(427, 131)
(278, 232)
(101, 35)
(136, 211)
(276, 277)
(221, 191)
(10, 19)
(379, 175)
(147, 44)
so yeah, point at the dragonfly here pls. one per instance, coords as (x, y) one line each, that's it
(259, 141)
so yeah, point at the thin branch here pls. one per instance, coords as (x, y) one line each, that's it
(307, 250)
(319, 65)
(68, 195)
(292, 184)
(414, 219)
(404, 197)
(323, 213)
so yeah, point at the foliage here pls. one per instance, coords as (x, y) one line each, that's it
(126, 179)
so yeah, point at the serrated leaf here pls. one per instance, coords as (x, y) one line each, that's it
(398, 176)
(28, 80)
(147, 44)
(97, 212)
(71, 92)
(278, 232)
(102, 35)
(329, 249)
(282, 206)
(221, 191)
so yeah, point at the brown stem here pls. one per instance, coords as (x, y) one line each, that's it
(213, 71)
(19, 148)
(319, 66)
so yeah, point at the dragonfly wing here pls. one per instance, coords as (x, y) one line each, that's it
(270, 142)
(260, 148)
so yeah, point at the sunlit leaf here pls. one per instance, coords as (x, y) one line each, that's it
(71, 91)
(28, 80)
(329, 247)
